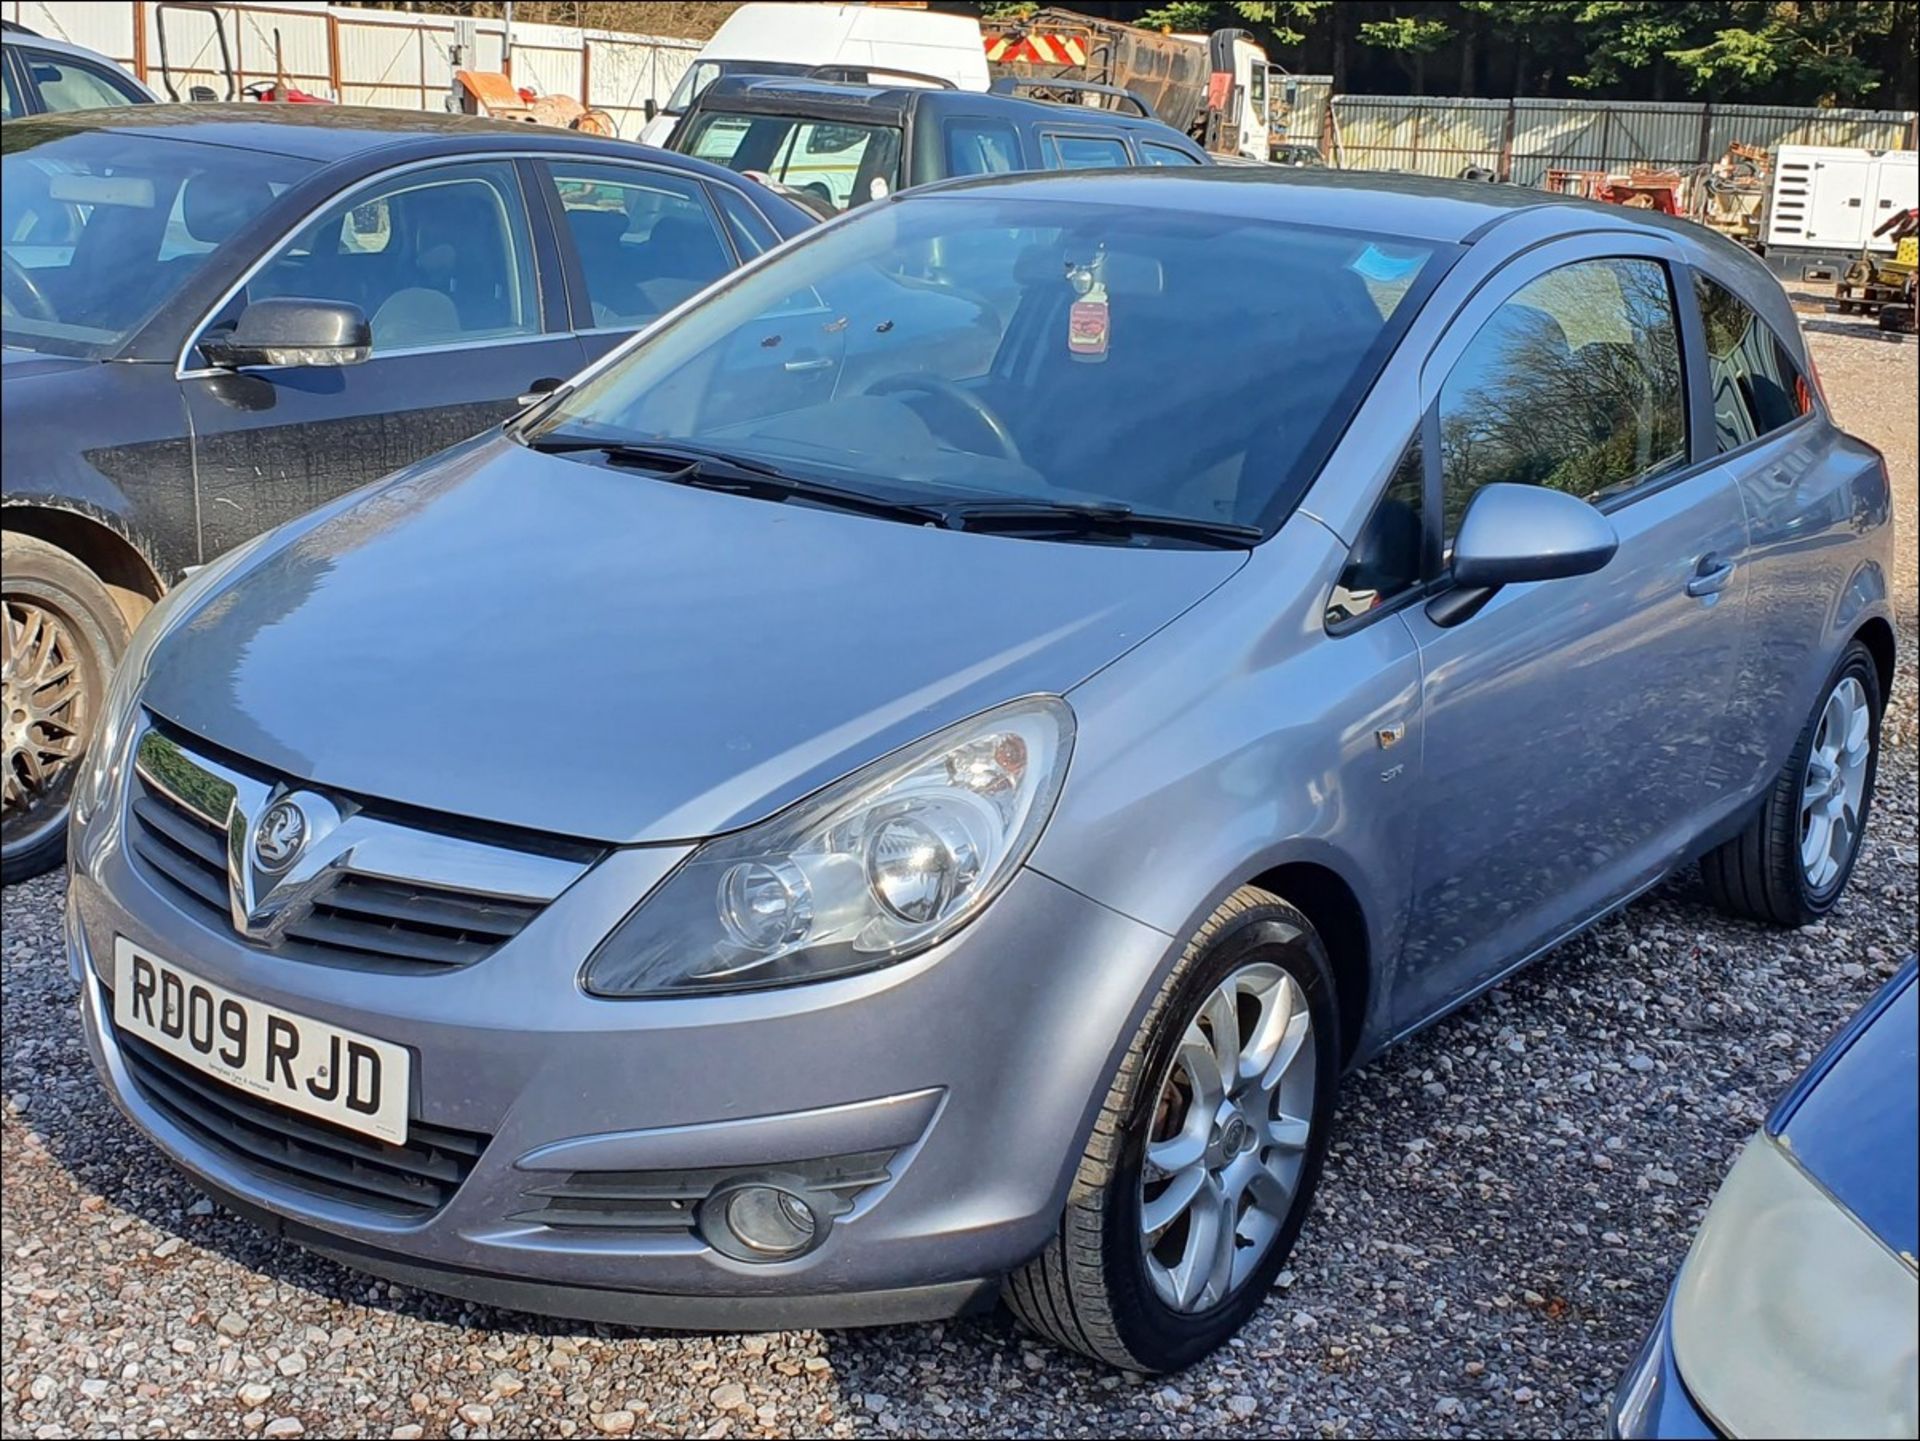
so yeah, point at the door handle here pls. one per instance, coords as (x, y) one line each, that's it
(1710, 576)
(817, 363)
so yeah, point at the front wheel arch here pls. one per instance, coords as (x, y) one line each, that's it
(130, 576)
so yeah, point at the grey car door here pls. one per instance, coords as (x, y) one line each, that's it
(441, 259)
(1569, 725)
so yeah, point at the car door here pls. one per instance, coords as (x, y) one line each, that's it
(467, 318)
(635, 241)
(1569, 726)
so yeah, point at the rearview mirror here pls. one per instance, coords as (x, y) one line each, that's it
(289, 330)
(649, 107)
(1517, 533)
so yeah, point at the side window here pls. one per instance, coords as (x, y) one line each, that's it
(13, 104)
(646, 239)
(981, 147)
(1082, 152)
(1574, 383)
(1152, 154)
(1389, 557)
(67, 84)
(433, 257)
(749, 228)
(1756, 386)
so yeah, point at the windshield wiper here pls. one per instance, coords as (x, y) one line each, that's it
(1094, 518)
(736, 475)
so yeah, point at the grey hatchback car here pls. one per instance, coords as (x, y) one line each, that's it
(851, 808)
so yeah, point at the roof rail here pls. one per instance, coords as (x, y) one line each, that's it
(1014, 84)
(863, 75)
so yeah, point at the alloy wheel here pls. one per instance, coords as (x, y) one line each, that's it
(1835, 784)
(43, 715)
(1228, 1139)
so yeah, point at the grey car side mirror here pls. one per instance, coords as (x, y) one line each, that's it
(1516, 533)
(290, 330)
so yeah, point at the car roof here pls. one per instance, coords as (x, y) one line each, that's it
(1412, 207)
(854, 102)
(327, 133)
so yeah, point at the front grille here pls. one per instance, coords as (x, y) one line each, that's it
(370, 922)
(410, 1182)
(669, 1200)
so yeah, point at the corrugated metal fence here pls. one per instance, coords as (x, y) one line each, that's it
(366, 57)
(1521, 140)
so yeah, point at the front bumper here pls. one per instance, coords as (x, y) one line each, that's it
(1652, 1400)
(974, 1070)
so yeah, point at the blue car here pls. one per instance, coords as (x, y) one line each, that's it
(1795, 1311)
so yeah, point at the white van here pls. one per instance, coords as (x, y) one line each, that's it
(780, 39)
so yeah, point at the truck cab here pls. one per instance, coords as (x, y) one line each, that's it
(840, 145)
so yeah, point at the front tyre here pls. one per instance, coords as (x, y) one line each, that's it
(1205, 1154)
(60, 634)
(1791, 863)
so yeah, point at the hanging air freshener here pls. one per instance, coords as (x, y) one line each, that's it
(1089, 320)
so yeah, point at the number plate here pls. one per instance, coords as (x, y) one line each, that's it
(341, 1076)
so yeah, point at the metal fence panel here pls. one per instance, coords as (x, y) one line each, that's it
(379, 63)
(106, 28)
(1776, 125)
(547, 70)
(1425, 137)
(1306, 122)
(1523, 139)
(626, 71)
(299, 40)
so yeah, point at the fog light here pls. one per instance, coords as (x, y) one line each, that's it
(754, 1221)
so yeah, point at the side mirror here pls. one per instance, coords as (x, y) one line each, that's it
(1516, 533)
(288, 330)
(649, 107)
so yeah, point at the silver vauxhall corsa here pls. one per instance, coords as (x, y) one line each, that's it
(912, 781)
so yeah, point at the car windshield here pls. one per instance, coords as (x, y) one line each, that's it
(970, 346)
(100, 228)
(839, 164)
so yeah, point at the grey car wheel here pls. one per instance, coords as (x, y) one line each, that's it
(1792, 862)
(1205, 1153)
(1232, 1119)
(1833, 790)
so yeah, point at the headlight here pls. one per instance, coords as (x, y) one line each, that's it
(880, 865)
(1790, 1318)
(104, 751)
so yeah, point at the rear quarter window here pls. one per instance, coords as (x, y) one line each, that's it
(1756, 386)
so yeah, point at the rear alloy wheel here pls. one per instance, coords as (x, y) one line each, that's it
(60, 633)
(1205, 1153)
(1791, 863)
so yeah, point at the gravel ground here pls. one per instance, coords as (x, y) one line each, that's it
(1506, 1202)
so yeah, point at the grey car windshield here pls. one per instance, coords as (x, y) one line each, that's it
(99, 229)
(970, 346)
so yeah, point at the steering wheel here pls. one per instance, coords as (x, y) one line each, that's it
(968, 401)
(22, 291)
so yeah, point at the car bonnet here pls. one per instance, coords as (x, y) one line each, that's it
(520, 638)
